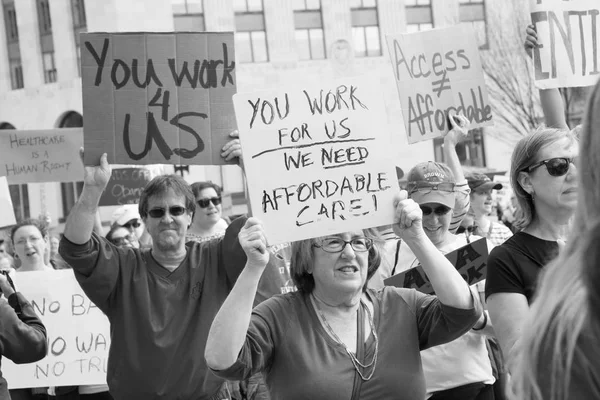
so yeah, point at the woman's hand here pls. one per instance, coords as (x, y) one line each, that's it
(460, 128)
(233, 149)
(530, 40)
(97, 176)
(408, 218)
(253, 241)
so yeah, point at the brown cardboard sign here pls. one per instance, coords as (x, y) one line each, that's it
(469, 260)
(157, 98)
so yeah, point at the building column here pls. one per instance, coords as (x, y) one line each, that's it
(280, 29)
(5, 84)
(392, 19)
(29, 43)
(219, 15)
(445, 13)
(65, 55)
(337, 23)
(129, 16)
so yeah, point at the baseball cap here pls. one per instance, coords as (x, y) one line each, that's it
(124, 214)
(482, 182)
(432, 182)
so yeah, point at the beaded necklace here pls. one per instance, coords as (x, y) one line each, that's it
(357, 364)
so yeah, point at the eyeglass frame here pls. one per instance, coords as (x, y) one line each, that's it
(369, 243)
(417, 186)
(570, 160)
(163, 211)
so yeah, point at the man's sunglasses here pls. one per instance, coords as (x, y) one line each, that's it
(557, 166)
(439, 210)
(133, 224)
(175, 211)
(204, 203)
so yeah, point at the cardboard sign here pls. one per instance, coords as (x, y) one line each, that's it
(317, 158)
(50, 155)
(469, 260)
(438, 73)
(125, 186)
(157, 98)
(7, 216)
(568, 39)
(78, 333)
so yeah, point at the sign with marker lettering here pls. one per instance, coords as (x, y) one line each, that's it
(568, 42)
(7, 216)
(125, 186)
(317, 158)
(469, 260)
(438, 73)
(50, 155)
(157, 98)
(78, 333)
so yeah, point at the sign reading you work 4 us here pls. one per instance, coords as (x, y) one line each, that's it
(438, 72)
(568, 39)
(50, 155)
(317, 158)
(78, 333)
(157, 98)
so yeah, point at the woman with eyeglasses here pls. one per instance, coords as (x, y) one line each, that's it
(544, 178)
(31, 242)
(207, 223)
(334, 338)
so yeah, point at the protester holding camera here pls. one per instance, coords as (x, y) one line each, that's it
(22, 334)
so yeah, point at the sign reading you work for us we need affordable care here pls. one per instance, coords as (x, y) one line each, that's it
(317, 158)
(157, 98)
(438, 73)
(50, 155)
(568, 42)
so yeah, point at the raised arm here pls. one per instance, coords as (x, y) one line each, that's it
(450, 287)
(82, 218)
(460, 128)
(551, 99)
(228, 331)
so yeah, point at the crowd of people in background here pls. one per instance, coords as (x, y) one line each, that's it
(200, 307)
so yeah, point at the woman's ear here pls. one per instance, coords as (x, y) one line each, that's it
(524, 179)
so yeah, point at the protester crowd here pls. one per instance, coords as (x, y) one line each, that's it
(201, 307)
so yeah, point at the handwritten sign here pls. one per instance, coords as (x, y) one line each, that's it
(7, 216)
(50, 155)
(78, 333)
(161, 98)
(125, 186)
(438, 73)
(469, 260)
(568, 39)
(317, 158)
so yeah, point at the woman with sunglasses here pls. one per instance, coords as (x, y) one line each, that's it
(207, 223)
(544, 178)
(334, 338)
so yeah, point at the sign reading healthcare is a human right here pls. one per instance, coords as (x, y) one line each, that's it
(317, 158)
(568, 42)
(438, 73)
(157, 98)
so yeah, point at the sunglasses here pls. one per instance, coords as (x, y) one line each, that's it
(204, 203)
(175, 211)
(133, 224)
(557, 166)
(468, 229)
(439, 210)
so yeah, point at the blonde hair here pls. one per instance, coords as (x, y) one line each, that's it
(562, 307)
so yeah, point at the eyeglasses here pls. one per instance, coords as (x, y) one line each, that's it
(133, 224)
(557, 166)
(337, 245)
(32, 240)
(175, 211)
(204, 203)
(469, 229)
(425, 187)
(439, 210)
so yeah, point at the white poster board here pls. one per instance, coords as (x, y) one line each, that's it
(78, 333)
(317, 158)
(568, 42)
(7, 216)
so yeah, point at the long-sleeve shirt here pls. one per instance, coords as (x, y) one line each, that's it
(287, 342)
(22, 335)
(159, 320)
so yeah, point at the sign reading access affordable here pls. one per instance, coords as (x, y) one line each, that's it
(125, 186)
(78, 333)
(568, 39)
(50, 155)
(7, 216)
(438, 73)
(469, 260)
(317, 158)
(157, 98)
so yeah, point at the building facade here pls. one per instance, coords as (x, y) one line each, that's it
(277, 42)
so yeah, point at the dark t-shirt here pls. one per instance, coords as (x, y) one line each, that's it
(514, 266)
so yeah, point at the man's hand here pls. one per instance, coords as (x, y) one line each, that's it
(253, 241)
(530, 40)
(97, 176)
(408, 218)
(460, 128)
(233, 149)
